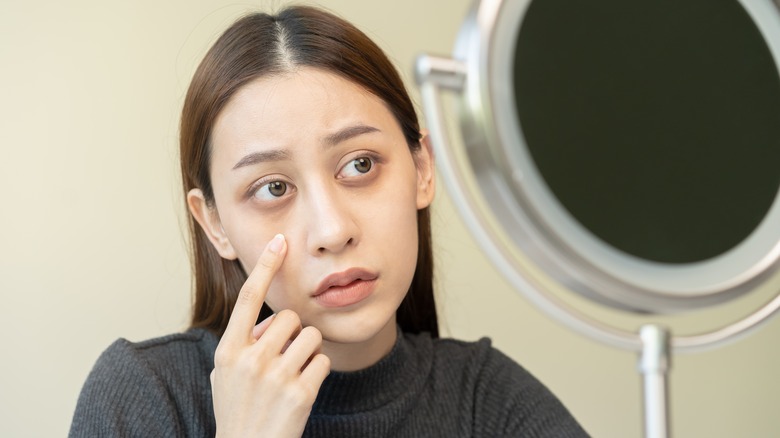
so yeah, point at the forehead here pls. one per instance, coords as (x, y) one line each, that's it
(296, 109)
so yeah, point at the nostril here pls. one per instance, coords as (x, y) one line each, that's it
(336, 248)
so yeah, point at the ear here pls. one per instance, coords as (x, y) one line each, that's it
(426, 175)
(208, 218)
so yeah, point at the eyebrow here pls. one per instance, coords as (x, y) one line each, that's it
(337, 137)
(260, 157)
(347, 133)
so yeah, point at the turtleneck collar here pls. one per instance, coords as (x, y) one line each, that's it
(393, 380)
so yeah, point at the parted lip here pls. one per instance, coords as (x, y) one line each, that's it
(344, 278)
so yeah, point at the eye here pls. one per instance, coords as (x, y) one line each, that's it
(357, 166)
(362, 164)
(271, 190)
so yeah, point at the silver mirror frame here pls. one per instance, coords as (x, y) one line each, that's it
(528, 216)
(531, 238)
(527, 233)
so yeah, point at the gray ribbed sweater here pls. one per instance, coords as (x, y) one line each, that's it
(423, 388)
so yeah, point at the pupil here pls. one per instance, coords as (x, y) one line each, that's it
(277, 188)
(362, 165)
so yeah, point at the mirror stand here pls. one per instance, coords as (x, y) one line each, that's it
(654, 363)
(654, 343)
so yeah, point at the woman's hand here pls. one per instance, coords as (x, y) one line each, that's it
(266, 376)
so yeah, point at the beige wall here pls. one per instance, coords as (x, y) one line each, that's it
(91, 247)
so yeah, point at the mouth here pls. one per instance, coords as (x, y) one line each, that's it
(345, 288)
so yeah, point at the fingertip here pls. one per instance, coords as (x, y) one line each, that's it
(276, 244)
(273, 253)
(260, 328)
(324, 361)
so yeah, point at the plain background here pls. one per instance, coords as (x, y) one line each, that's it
(92, 246)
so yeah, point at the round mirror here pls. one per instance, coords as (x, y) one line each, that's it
(657, 130)
(631, 150)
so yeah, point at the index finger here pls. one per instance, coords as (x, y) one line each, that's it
(250, 298)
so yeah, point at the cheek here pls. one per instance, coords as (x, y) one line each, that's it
(394, 222)
(249, 233)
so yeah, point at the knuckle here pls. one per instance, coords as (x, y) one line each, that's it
(320, 361)
(325, 360)
(250, 367)
(247, 296)
(267, 261)
(312, 333)
(275, 376)
(289, 317)
(300, 395)
(222, 357)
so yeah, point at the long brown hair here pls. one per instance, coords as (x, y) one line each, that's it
(257, 45)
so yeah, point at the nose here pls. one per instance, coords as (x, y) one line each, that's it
(331, 227)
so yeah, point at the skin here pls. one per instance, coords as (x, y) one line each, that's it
(314, 157)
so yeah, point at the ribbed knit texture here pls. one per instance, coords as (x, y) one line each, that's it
(423, 388)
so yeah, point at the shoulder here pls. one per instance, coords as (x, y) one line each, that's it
(167, 360)
(181, 350)
(169, 346)
(506, 399)
(475, 353)
(476, 360)
(134, 385)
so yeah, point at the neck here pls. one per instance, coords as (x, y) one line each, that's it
(355, 356)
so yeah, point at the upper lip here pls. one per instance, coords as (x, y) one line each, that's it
(344, 278)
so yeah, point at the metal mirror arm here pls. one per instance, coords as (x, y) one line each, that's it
(434, 73)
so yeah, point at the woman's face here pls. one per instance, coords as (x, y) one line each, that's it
(317, 158)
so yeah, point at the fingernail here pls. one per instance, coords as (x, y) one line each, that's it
(275, 245)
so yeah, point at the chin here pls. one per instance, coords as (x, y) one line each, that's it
(355, 329)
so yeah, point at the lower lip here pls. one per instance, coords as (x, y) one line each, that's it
(342, 296)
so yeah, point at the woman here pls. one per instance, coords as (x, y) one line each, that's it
(304, 167)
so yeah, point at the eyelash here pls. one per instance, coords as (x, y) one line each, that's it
(374, 160)
(262, 183)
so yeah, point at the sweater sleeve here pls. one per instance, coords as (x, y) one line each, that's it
(123, 396)
(513, 403)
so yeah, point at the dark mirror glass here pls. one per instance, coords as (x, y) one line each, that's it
(655, 123)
